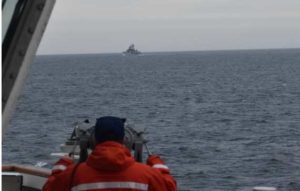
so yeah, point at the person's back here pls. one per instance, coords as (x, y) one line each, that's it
(110, 166)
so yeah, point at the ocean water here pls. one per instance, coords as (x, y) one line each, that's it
(222, 120)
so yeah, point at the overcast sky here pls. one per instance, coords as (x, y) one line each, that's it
(103, 26)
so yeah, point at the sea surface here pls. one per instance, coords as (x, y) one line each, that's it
(222, 120)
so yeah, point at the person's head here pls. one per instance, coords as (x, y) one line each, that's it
(109, 128)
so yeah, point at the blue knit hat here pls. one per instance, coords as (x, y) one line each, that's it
(109, 129)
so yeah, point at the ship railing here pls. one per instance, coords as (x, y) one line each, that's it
(21, 177)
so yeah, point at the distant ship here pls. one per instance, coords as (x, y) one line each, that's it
(131, 51)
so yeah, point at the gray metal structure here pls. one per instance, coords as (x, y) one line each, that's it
(23, 27)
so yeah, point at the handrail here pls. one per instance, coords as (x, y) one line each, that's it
(31, 170)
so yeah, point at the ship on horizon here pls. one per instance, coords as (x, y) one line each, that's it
(132, 51)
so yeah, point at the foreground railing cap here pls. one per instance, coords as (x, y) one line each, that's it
(36, 171)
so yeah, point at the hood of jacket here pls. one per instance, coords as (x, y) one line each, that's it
(110, 156)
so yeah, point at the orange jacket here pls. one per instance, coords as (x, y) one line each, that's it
(111, 167)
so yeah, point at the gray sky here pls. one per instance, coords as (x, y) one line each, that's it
(102, 26)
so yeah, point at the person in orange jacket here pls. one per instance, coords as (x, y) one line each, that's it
(110, 166)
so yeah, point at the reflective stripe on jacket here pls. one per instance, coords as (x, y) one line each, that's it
(111, 185)
(111, 167)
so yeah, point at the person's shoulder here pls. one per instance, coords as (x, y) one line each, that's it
(68, 171)
(146, 168)
(139, 165)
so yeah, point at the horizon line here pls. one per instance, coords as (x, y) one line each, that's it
(175, 51)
